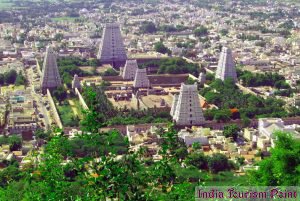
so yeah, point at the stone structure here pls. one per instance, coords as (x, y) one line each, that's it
(188, 111)
(54, 110)
(112, 50)
(141, 80)
(129, 70)
(226, 66)
(76, 83)
(174, 104)
(50, 76)
(202, 78)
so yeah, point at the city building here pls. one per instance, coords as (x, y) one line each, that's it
(199, 135)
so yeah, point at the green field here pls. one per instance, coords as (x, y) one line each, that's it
(67, 115)
(208, 179)
(61, 19)
(6, 5)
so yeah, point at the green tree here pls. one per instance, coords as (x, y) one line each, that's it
(198, 160)
(60, 93)
(20, 79)
(218, 163)
(2, 79)
(201, 31)
(282, 168)
(222, 115)
(15, 142)
(148, 27)
(110, 72)
(42, 134)
(231, 130)
(58, 37)
(224, 32)
(181, 153)
(10, 77)
(160, 47)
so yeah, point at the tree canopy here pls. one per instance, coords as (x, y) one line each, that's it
(161, 48)
(282, 168)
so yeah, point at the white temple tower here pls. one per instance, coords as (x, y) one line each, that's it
(141, 80)
(226, 65)
(76, 82)
(112, 50)
(188, 111)
(129, 70)
(202, 78)
(50, 76)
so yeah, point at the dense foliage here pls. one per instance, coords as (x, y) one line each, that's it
(14, 142)
(282, 168)
(102, 113)
(69, 66)
(274, 80)
(12, 77)
(148, 27)
(250, 79)
(226, 95)
(110, 72)
(231, 131)
(93, 171)
(201, 31)
(174, 66)
(161, 48)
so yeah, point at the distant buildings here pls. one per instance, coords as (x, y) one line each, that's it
(50, 75)
(264, 137)
(186, 109)
(112, 50)
(22, 117)
(226, 65)
(194, 136)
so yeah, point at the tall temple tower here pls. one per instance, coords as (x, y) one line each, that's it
(188, 111)
(129, 70)
(50, 76)
(76, 83)
(141, 80)
(202, 78)
(112, 50)
(226, 65)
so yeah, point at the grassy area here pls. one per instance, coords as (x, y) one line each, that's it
(67, 116)
(10, 88)
(208, 179)
(77, 107)
(60, 19)
(5, 5)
